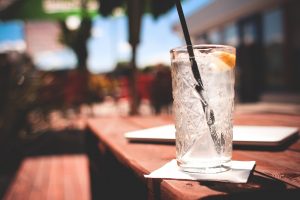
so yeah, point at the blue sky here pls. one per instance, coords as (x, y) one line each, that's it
(157, 38)
(7, 28)
(108, 44)
(11, 36)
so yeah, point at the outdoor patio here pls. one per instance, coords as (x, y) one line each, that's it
(76, 76)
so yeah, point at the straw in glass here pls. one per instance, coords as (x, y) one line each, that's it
(210, 118)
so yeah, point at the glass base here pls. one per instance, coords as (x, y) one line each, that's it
(206, 169)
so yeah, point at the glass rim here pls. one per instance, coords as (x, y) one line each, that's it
(202, 47)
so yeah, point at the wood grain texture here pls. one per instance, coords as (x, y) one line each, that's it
(41, 180)
(51, 177)
(23, 183)
(276, 171)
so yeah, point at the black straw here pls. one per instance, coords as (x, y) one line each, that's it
(210, 118)
(188, 41)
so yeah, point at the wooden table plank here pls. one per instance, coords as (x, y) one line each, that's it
(75, 166)
(56, 171)
(69, 179)
(81, 166)
(113, 130)
(52, 177)
(41, 182)
(143, 158)
(23, 184)
(283, 166)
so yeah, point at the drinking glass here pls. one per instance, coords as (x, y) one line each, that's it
(203, 120)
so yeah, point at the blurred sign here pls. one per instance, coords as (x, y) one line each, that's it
(38, 41)
(54, 6)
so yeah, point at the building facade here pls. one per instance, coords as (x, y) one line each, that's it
(267, 37)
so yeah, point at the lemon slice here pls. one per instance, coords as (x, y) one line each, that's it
(227, 58)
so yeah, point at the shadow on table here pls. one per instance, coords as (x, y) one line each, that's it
(56, 143)
(258, 187)
(110, 179)
(41, 144)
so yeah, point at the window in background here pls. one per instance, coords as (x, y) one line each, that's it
(214, 36)
(231, 36)
(273, 49)
(249, 33)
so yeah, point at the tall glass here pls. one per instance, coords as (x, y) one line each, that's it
(204, 121)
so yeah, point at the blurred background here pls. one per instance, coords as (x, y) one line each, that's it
(62, 61)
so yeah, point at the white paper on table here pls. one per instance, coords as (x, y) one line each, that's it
(239, 173)
(242, 135)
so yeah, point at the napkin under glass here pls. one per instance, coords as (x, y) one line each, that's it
(239, 173)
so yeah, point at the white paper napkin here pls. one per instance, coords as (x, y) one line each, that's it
(239, 173)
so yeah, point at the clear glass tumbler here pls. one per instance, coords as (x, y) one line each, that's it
(204, 121)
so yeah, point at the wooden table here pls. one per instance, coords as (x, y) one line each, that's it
(59, 177)
(118, 166)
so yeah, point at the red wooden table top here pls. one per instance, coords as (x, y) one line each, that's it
(276, 170)
(56, 177)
